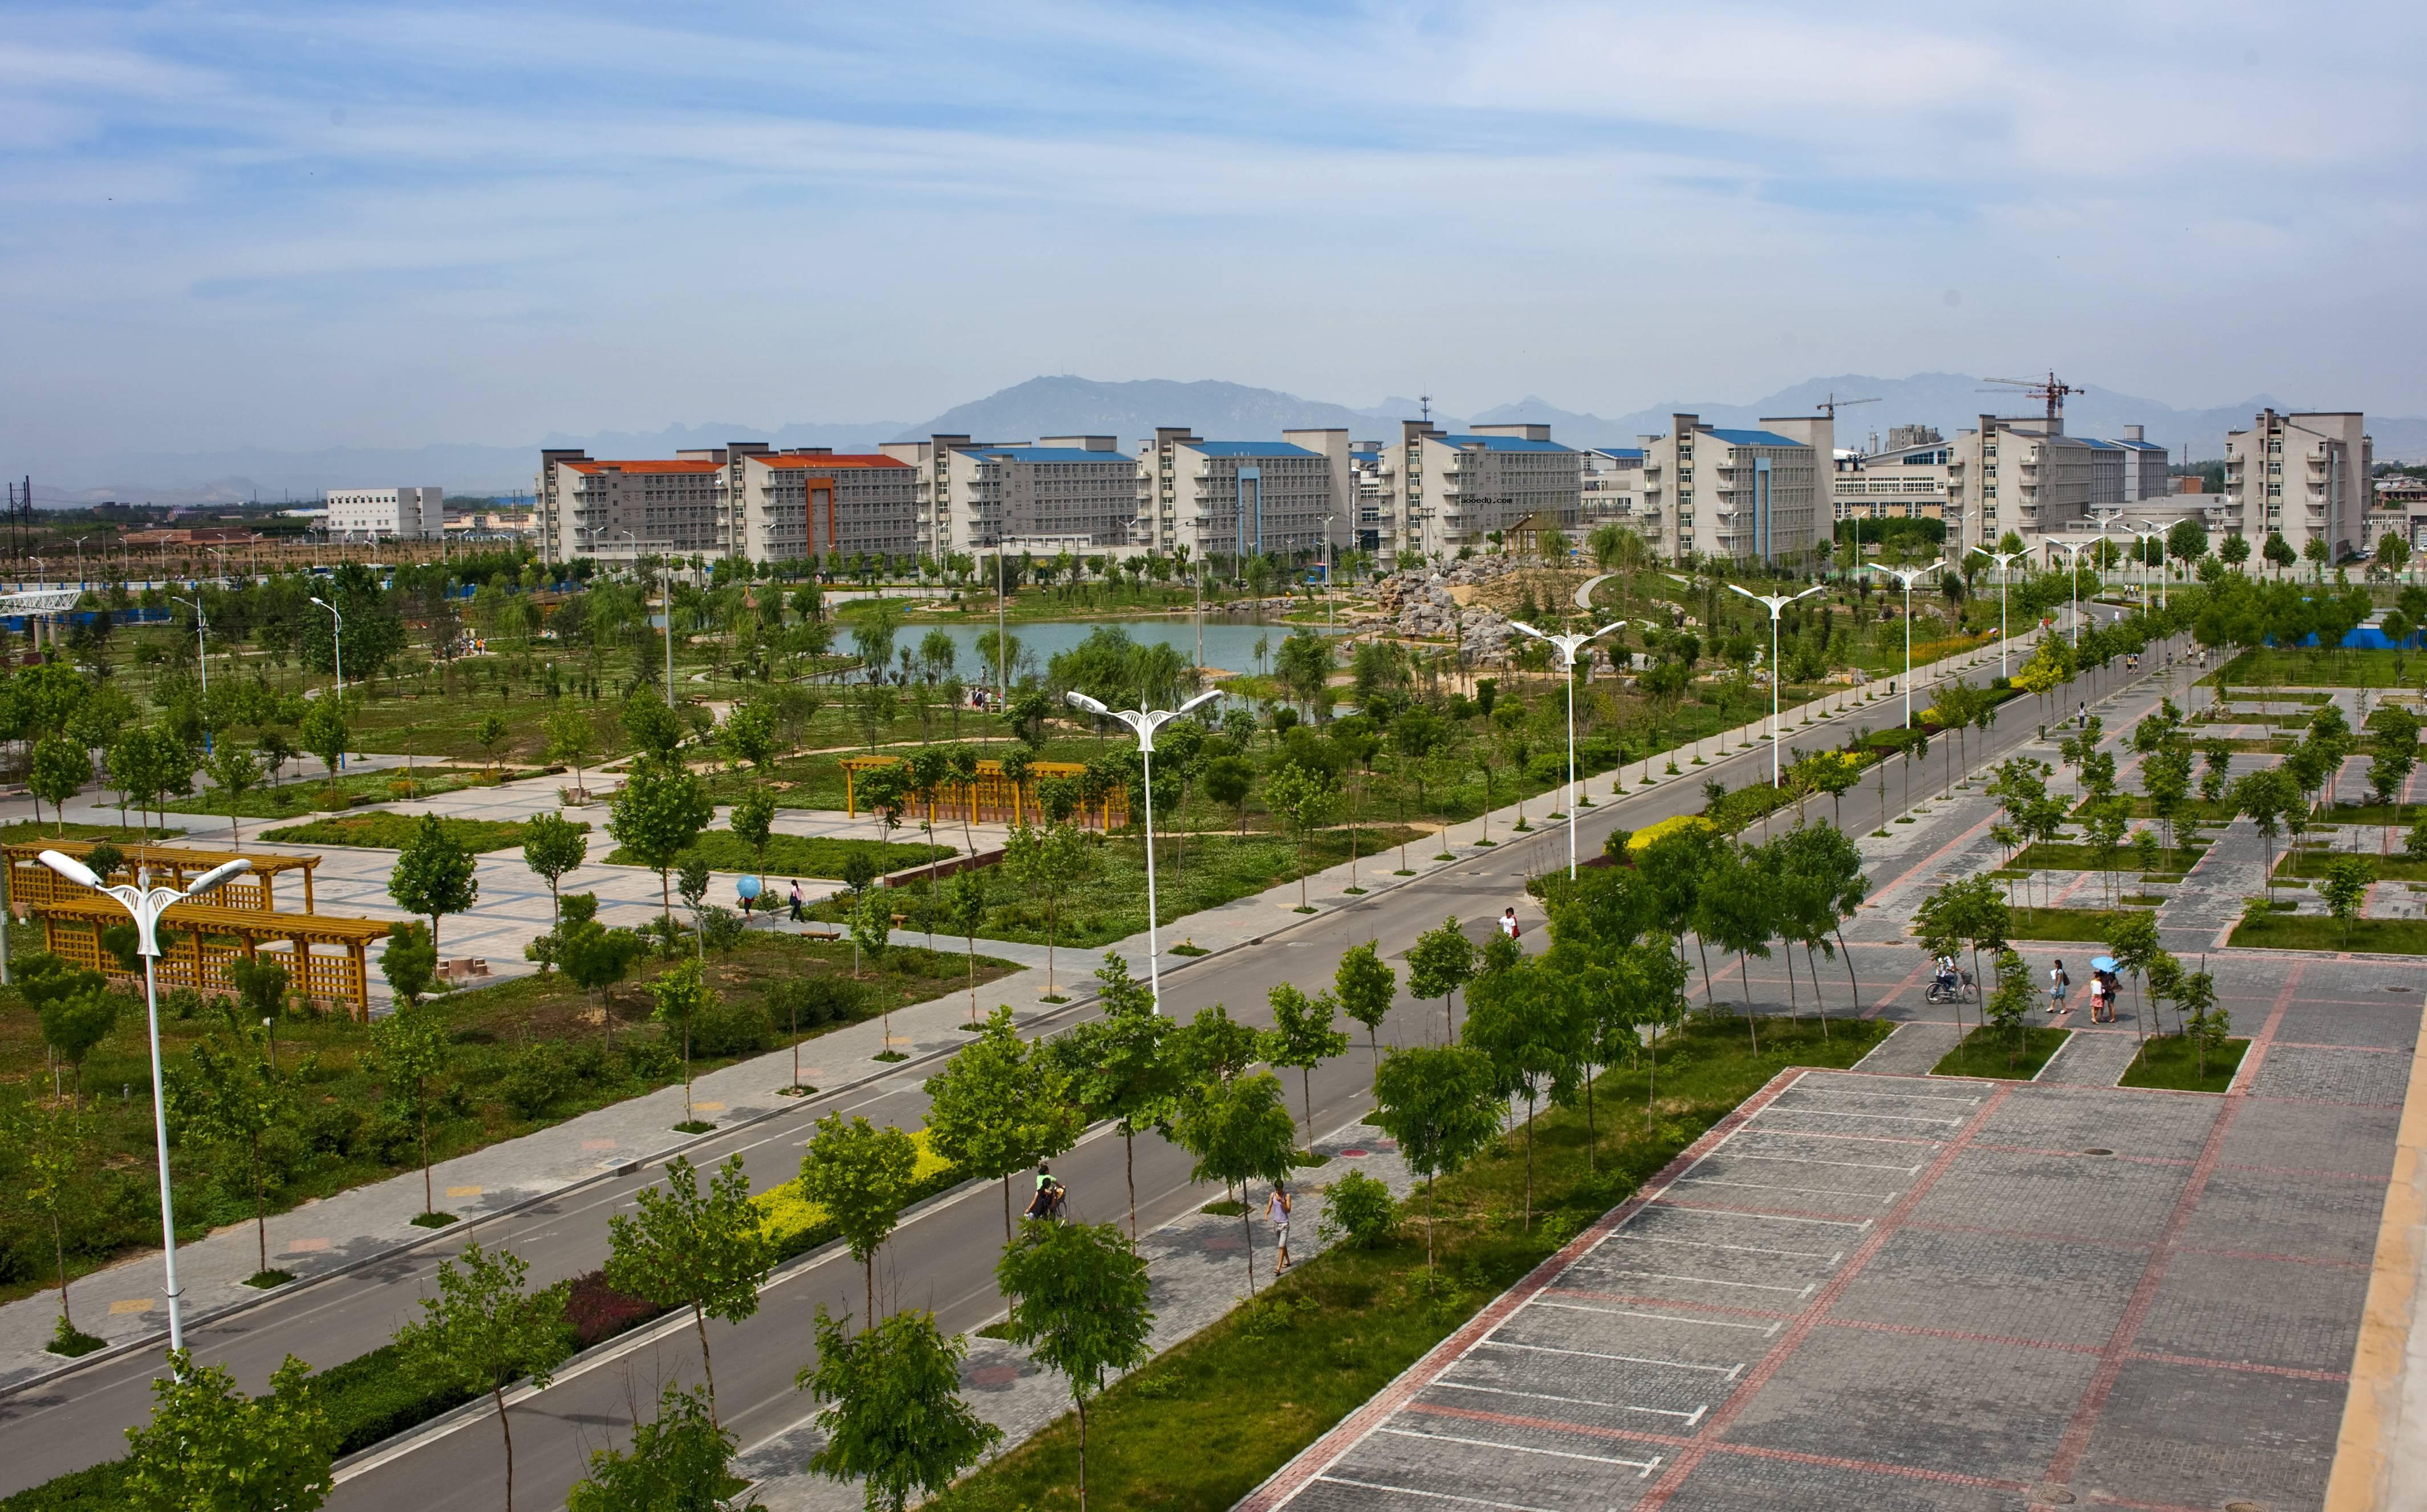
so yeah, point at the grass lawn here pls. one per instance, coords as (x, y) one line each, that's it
(2319, 932)
(1990, 1052)
(304, 796)
(2378, 814)
(1110, 904)
(2089, 924)
(2061, 856)
(2270, 667)
(523, 1055)
(801, 855)
(2308, 863)
(26, 829)
(1199, 1428)
(2172, 1062)
(392, 831)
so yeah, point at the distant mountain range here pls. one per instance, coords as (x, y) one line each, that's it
(1068, 405)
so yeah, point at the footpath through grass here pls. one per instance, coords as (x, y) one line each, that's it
(1199, 1428)
(2172, 1062)
(2001, 1055)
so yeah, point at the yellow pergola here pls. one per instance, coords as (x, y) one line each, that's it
(31, 883)
(199, 940)
(992, 798)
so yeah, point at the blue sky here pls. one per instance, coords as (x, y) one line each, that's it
(358, 225)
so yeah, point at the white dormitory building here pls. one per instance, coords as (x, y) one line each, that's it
(744, 499)
(1227, 498)
(1613, 494)
(1750, 495)
(1435, 494)
(1075, 494)
(1906, 480)
(412, 513)
(2024, 475)
(2304, 475)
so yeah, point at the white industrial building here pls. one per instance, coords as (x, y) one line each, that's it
(410, 512)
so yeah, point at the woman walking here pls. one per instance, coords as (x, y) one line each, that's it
(1276, 1213)
(2057, 982)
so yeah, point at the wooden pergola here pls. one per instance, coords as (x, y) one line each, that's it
(992, 798)
(198, 940)
(30, 882)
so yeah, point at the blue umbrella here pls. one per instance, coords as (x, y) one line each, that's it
(2102, 962)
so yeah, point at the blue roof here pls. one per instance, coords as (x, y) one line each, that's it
(1627, 453)
(1251, 449)
(1755, 438)
(1366, 456)
(1504, 444)
(1053, 454)
(2102, 445)
(2140, 446)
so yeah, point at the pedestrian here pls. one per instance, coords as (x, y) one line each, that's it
(1508, 922)
(2057, 982)
(1276, 1213)
(2082, 718)
(2098, 997)
(796, 899)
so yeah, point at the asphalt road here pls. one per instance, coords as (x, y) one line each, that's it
(943, 1257)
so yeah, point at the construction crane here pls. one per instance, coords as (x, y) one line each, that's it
(2048, 390)
(1830, 405)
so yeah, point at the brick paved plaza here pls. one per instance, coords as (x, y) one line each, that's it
(1905, 1292)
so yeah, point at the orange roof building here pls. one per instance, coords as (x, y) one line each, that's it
(744, 499)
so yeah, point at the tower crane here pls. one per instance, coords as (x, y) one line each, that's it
(1830, 405)
(2048, 390)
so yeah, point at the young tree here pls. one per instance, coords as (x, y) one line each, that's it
(212, 1447)
(2265, 798)
(1973, 913)
(1530, 1031)
(1000, 1107)
(1240, 1131)
(572, 740)
(492, 735)
(48, 1143)
(229, 1102)
(1440, 1104)
(679, 998)
(1365, 987)
(1441, 962)
(965, 906)
(235, 772)
(410, 962)
(2132, 940)
(75, 1013)
(655, 816)
(686, 1249)
(1077, 1298)
(59, 771)
(1304, 801)
(754, 823)
(1302, 1039)
(681, 1461)
(1228, 781)
(894, 1417)
(691, 880)
(434, 874)
(1118, 1066)
(408, 1055)
(2345, 888)
(553, 847)
(1735, 912)
(859, 1173)
(2009, 1006)
(1048, 861)
(2208, 1025)
(485, 1330)
(325, 732)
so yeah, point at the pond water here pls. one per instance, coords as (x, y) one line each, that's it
(1229, 643)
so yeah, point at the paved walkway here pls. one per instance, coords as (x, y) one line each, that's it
(2093, 1057)
(1911, 1048)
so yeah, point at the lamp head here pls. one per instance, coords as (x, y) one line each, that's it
(1079, 700)
(70, 868)
(321, 602)
(1524, 628)
(1197, 702)
(217, 875)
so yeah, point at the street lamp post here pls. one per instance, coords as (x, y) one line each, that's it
(1144, 721)
(201, 651)
(2005, 561)
(1327, 573)
(1568, 644)
(147, 904)
(336, 659)
(1907, 575)
(1776, 604)
(2073, 550)
(79, 542)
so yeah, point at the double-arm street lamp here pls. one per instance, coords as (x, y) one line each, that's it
(1144, 721)
(1907, 575)
(1569, 644)
(1776, 604)
(2073, 550)
(337, 657)
(147, 904)
(2005, 561)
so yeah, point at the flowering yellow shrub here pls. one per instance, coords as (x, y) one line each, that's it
(785, 1214)
(1665, 828)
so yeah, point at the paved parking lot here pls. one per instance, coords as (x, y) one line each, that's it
(1897, 1291)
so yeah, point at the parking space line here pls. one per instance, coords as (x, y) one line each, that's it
(1661, 1317)
(1758, 1213)
(1690, 1418)
(1642, 1467)
(1598, 1354)
(1880, 1117)
(1706, 1280)
(1710, 1244)
(1900, 1097)
(1437, 1496)
(1771, 1186)
(1805, 1159)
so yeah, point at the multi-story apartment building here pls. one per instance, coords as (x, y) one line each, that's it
(2304, 475)
(621, 510)
(1906, 480)
(815, 503)
(1440, 493)
(1225, 498)
(1742, 494)
(2145, 467)
(1613, 494)
(1062, 492)
(408, 513)
(744, 499)
(2026, 476)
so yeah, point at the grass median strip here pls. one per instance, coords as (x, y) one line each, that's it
(1202, 1424)
(393, 831)
(2322, 931)
(2172, 1062)
(2000, 1055)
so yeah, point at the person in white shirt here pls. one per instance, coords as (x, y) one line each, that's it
(1276, 1213)
(1509, 922)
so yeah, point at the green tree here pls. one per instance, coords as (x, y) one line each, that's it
(2207, 1024)
(679, 998)
(59, 771)
(210, 1447)
(553, 847)
(1228, 780)
(325, 732)
(754, 823)
(1302, 1039)
(1122, 1071)
(1530, 1030)
(2133, 940)
(653, 724)
(1972, 913)
(434, 874)
(2345, 888)
(410, 962)
(1304, 800)
(1239, 1131)
(1077, 1298)
(999, 1107)
(859, 1173)
(487, 1329)
(75, 1013)
(2265, 798)
(2008, 1008)
(1365, 987)
(230, 1101)
(1735, 912)
(965, 907)
(1438, 1101)
(1441, 962)
(894, 1417)
(572, 740)
(1049, 862)
(688, 1249)
(594, 956)
(234, 771)
(655, 816)
(681, 1461)
(409, 1054)
(749, 735)
(48, 1145)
